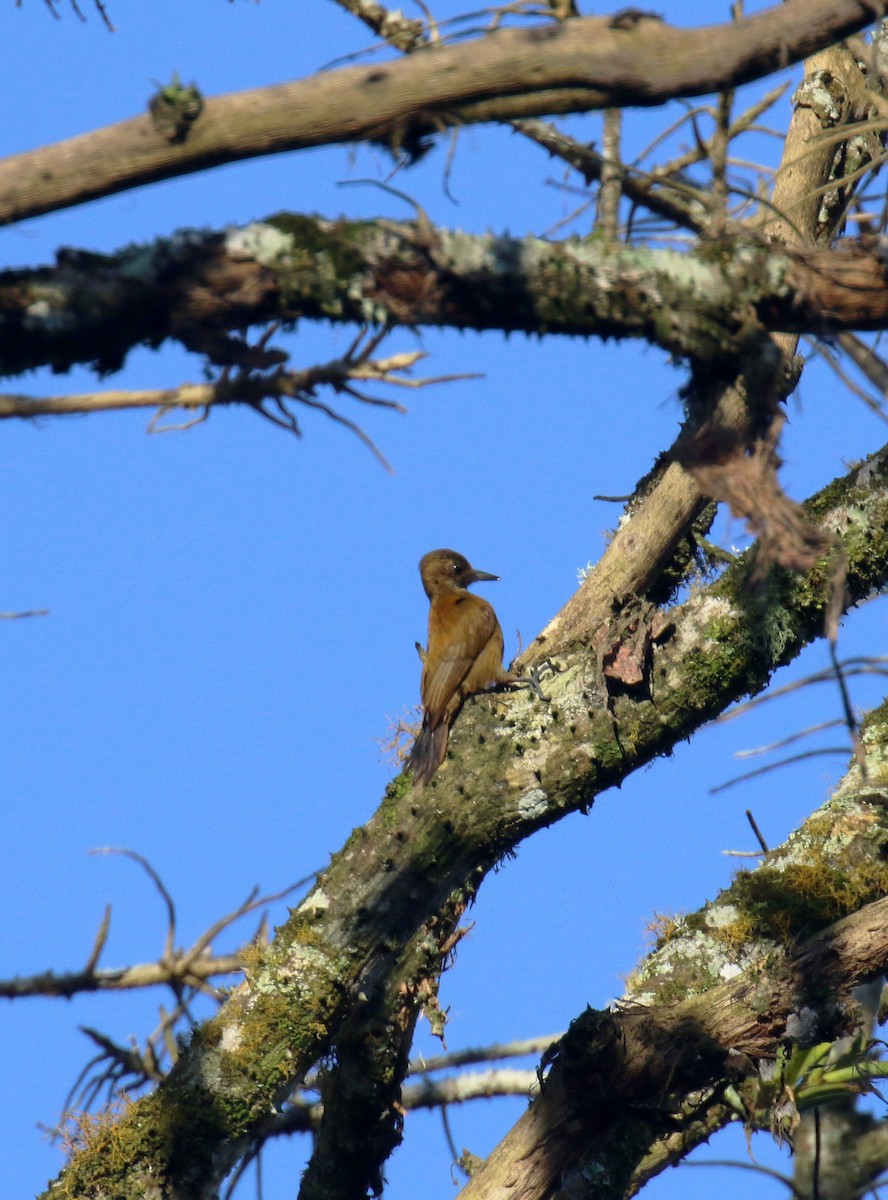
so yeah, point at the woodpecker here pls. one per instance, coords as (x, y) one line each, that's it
(464, 655)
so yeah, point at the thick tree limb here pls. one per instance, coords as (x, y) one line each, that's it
(196, 287)
(738, 979)
(575, 66)
(507, 777)
(620, 1078)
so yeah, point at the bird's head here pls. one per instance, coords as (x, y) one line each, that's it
(445, 570)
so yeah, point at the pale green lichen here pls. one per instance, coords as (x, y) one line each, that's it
(824, 94)
(49, 315)
(533, 804)
(262, 242)
(315, 903)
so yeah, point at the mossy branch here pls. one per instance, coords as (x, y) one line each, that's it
(707, 306)
(510, 773)
(772, 963)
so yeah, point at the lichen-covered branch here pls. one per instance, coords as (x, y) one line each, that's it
(773, 961)
(575, 66)
(196, 287)
(511, 772)
(404, 33)
(360, 1083)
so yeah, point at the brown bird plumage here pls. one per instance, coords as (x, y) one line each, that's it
(464, 655)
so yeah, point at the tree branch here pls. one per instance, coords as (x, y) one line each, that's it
(182, 968)
(615, 1069)
(726, 987)
(667, 501)
(196, 287)
(574, 66)
(507, 777)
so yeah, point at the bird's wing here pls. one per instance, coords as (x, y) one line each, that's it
(458, 633)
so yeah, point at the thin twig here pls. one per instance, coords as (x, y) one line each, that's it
(859, 665)
(850, 719)
(99, 944)
(477, 1054)
(611, 176)
(718, 156)
(158, 883)
(728, 1162)
(758, 833)
(784, 762)
(874, 404)
(267, 393)
(789, 739)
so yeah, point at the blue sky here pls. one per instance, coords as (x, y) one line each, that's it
(233, 611)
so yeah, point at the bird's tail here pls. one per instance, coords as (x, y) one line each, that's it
(428, 750)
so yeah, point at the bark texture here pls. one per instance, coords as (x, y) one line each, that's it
(510, 773)
(593, 63)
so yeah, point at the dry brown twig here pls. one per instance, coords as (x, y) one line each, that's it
(867, 361)
(838, 672)
(788, 761)
(790, 739)
(176, 968)
(404, 33)
(78, 12)
(269, 393)
(120, 1070)
(876, 664)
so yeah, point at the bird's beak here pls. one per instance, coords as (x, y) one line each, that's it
(480, 576)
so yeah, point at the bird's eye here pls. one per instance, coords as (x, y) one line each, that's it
(455, 566)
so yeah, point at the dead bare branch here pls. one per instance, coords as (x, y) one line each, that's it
(851, 721)
(477, 1054)
(404, 33)
(256, 389)
(146, 866)
(856, 350)
(99, 945)
(585, 64)
(790, 739)
(176, 968)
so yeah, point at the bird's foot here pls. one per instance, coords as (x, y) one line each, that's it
(535, 675)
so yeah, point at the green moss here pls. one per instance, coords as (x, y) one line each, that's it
(736, 936)
(874, 736)
(782, 904)
(309, 236)
(400, 786)
(695, 922)
(709, 672)
(163, 1136)
(322, 261)
(670, 979)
